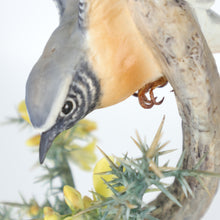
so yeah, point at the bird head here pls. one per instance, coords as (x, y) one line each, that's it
(92, 60)
(61, 88)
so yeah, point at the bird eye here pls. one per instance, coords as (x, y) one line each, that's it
(67, 107)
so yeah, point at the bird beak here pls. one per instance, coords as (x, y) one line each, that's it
(46, 141)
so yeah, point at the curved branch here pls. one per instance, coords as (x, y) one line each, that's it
(170, 28)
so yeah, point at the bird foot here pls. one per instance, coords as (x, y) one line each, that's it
(141, 94)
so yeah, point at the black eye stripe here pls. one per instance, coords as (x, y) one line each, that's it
(84, 92)
(80, 96)
(85, 84)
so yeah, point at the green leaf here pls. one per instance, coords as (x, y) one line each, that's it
(188, 188)
(180, 162)
(167, 193)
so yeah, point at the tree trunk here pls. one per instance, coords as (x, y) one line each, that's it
(177, 41)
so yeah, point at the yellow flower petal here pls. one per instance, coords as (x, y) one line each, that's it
(87, 202)
(84, 157)
(50, 214)
(68, 218)
(88, 125)
(72, 198)
(84, 127)
(80, 217)
(33, 141)
(22, 109)
(102, 166)
(34, 210)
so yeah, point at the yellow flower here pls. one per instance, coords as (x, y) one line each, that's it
(34, 210)
(80, 217)
(23, 111)
(84, 127)
(84, 157)
(87, 202)
(33, 141)
(68, 218)
(73, 198)
(49, 214)
(87, 125)
(102, 166)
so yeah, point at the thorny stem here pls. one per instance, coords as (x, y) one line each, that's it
(66, 174)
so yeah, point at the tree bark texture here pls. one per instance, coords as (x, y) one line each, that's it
(187, 62)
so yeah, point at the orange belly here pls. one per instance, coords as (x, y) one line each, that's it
(118, 53)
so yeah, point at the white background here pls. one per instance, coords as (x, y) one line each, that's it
(25, 26)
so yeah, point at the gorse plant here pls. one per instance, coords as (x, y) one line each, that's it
(120, 183)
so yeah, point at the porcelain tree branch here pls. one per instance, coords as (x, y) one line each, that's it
(188, 64)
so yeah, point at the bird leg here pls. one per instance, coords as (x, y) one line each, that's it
(141, 94)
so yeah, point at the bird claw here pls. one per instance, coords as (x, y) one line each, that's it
(141, 94)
